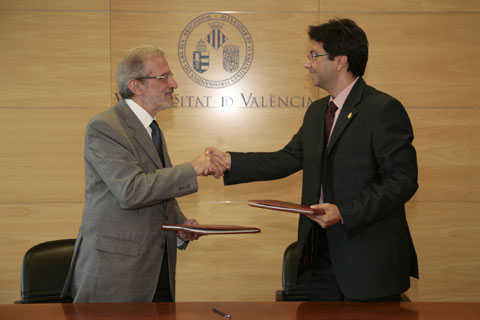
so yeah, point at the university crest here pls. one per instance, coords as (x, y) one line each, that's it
(215, 50)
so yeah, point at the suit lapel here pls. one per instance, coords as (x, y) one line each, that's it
(139, 133)
(348, 112)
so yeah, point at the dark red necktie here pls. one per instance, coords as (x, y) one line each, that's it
(329, 118)
(311, 244)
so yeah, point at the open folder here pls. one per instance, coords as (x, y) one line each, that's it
(210, 228)
(285, 206)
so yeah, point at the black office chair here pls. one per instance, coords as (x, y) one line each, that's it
(44, 270)
(296, 288)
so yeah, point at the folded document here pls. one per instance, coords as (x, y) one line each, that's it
(285, 206)
(211, 229)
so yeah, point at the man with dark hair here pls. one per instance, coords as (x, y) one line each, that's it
(343, 38)
(359, 166)
(121, 253)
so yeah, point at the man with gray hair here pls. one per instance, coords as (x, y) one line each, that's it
(121, 253)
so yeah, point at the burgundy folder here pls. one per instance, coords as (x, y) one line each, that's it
(285, 206)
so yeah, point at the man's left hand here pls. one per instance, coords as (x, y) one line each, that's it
(186, 235)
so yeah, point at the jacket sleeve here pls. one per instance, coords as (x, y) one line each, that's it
(261, 166)
(112, 156)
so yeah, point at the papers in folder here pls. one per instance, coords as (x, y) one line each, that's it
(285, 206)
(211, 229)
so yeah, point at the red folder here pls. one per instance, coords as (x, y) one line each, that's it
(210, 228)
(284, 206)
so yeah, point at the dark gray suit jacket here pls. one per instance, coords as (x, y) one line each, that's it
(129, 195)
(369, 172)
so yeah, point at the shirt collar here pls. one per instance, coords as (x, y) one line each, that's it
(342, 96)
(142, 115)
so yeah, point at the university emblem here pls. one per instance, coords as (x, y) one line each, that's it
(215, 50)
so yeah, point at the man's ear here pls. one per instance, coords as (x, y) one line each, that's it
(341, 62)
(134, 86)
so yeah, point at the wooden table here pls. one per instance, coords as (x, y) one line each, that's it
(245, 310)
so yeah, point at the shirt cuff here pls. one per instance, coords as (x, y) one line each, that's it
(180, 242)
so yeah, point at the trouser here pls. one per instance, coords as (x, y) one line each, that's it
(162, 293)
(323, 283)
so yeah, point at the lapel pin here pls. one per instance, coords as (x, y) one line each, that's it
(349, 115)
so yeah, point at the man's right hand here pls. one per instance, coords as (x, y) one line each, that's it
(206, 164)
(221, 158)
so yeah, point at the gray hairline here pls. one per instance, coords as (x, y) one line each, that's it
(132, 65)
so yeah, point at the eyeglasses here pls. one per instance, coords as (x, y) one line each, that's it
(312, 55)
(164, 77)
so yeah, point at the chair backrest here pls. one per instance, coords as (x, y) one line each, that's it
(295, 288)
(44, 270)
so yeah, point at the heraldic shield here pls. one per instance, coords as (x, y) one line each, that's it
(231, 58)
(201, 61)
(201, 57)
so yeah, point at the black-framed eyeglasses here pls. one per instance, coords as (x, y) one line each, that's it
(312, 55)
(164, 77)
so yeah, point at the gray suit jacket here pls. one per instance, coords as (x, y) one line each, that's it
(129, 195)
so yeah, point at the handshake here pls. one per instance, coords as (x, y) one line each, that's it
(213, 162)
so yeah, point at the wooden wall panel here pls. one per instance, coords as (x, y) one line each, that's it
(214, 5)
(448, 153)
(416, 57)
(55, 4)
(407, 6)
(447, 237)
(42, 154)
(54, 59)
(277, 68)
